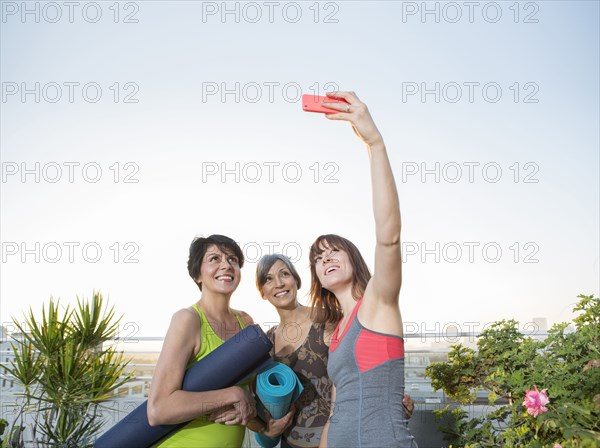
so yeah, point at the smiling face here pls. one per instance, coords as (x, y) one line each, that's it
(280, 287)
(335, 264)
(333, 267)
(220, 271)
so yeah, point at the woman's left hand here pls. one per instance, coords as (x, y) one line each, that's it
(229, 415)
(276, 427)
(357, 113)
(240, 413)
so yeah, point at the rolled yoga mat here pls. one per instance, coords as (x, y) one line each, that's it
(277, 387)
(230, 363)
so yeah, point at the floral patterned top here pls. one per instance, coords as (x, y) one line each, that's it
(309, 362)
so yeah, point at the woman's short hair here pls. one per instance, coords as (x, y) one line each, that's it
(266, 263)
(199, 247)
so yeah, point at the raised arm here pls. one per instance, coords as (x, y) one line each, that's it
(167, 403)
(384, 287)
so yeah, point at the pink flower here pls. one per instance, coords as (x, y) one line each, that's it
(536, 401)
(557, 445)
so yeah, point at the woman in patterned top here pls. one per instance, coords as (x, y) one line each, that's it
(303, 344)
(299, 343)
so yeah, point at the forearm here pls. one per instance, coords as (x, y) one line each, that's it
(323, 441)
(182, 406)
(386, 208)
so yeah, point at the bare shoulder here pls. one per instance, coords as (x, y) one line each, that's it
(184, 324)
(183, 337)
(185, 317)
(246, 318)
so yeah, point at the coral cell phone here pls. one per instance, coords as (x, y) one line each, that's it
(313, 103)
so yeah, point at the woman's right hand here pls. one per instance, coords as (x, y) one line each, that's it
(357, 113)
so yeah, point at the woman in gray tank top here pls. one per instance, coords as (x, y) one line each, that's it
(366, 354)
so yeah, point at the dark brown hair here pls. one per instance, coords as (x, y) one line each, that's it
(325, 304)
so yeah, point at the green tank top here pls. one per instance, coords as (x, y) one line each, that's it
(201, 432)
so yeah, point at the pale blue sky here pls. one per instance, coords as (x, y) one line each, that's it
(171, 57)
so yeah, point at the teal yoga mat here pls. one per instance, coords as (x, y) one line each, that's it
(277, 387)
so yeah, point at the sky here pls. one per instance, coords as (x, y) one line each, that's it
(128, 128)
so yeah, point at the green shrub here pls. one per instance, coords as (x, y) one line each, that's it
(507, 364)
(65, 371)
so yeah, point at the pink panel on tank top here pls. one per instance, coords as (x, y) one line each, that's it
(373, 349)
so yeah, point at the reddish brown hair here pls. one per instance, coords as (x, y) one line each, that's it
(326, 307)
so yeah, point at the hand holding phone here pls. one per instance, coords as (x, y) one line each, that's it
(314, 103)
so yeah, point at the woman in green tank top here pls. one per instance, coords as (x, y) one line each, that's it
(216, 418)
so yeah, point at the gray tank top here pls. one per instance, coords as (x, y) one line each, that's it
(367, 369)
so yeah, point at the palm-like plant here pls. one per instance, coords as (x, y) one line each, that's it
(65, 371)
